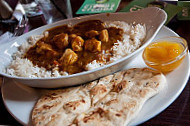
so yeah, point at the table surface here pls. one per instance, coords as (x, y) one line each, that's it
(178, 113)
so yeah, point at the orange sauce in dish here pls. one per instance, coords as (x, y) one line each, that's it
(164, 56)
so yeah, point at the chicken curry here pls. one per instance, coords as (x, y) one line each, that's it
(72, 48)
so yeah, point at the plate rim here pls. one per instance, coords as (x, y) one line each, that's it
(6, 106)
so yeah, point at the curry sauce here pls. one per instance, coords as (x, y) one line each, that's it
(70, 49)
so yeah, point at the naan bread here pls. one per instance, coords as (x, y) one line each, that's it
(113, 100)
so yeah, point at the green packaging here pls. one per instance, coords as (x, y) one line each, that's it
(170, 9)
(98, 6)
(184, 14)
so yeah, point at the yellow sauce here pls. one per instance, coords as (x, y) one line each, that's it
(163, 55)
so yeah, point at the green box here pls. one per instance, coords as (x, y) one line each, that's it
(98, 6)
(184, 14)
(170, 9)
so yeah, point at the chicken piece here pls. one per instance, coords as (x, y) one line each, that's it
(77, 44)
(61, 40)
(71, 37)
(43, 48)
(104, 36)
(93, 45)
(91, 33)
(69, 57)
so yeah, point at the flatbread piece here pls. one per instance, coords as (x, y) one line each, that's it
(113, 100)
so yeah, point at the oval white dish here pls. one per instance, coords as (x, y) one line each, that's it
(152, 17)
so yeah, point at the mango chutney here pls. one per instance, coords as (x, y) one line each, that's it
(165, 54)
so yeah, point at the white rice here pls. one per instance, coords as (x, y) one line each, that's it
(132, 40)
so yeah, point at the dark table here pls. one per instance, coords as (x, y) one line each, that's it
(177, 114)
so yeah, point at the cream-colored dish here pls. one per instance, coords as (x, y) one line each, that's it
(153, 18)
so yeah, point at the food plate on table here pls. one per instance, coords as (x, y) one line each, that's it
(20, 99)
(153, 18)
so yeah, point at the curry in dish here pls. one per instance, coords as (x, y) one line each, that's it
(70, 49)
(74, 48)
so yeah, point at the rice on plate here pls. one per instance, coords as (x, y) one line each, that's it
(132, 39)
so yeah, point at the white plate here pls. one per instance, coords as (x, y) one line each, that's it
(20, 99)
